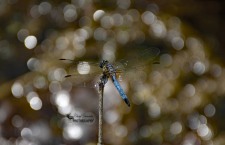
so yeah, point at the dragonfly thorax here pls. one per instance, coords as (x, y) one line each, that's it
(107, 68)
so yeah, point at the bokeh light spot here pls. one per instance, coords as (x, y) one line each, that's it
(26, 133)
(17, 121)
(22, 34)
(166, 60)
(100, 34)
(59, 74)
(111, 116)
(62, 99)
(216, 70)
(198, 68)
(17, 89)
(31, 95)
(33, 64)
(189, 90)
(70, 13)
(203, 130)
(148, 17)
(30, 42)
(177, 43)
(154, 110)
(54, 87)
(122, 37)
(40, 82)
(98, 14)
(36, 103)
(34, 12)
(123, 4)
(83, 68)
(145, 131)
(159, 29)
(44, 8)
(176, 128)
(72, 132)
(62, 43)
(117, 19)
(121, 131)
(106, 22)
(210, 110)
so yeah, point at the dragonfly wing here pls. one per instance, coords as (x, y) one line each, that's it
(86, 80)
(138, 60)
(82, 73)
(120, 90)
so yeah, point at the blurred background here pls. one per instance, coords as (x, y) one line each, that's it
(177, 102)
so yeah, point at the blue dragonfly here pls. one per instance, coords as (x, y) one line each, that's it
(111, 70)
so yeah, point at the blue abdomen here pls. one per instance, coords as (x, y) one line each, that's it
(120, 90)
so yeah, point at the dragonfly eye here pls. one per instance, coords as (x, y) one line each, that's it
(102, 63)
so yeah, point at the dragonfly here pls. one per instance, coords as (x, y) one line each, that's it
(111, 70)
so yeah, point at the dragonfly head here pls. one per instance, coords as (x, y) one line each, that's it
(103, 63)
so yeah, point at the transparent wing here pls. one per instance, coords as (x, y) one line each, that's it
(86, 80)
(138, 60)
(82, 73)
